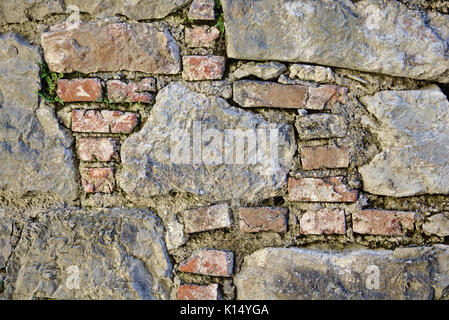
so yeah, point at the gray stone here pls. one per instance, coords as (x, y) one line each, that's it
(265, 70)
(165, 154)
(17, 11)
(77, 254)
(311, 73)
(370, 35)
(174, 236)
(6, 229)
(35, 152)
(437, 224)
(320, 126)
(413, 133)
(294, 273)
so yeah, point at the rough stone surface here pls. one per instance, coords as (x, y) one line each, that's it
(6, 230)
(207, 218)
(19, 11)
(263, 219)
(119, 91)
(110, 253)
(324, 221)
(201, 36)
(437, 224)
(203, 67)
(320, 126)
(98, 180)
(320, 190)
(104, 121)
(413, 133)
(329, 156)
(153, 163)
(174, 236)
(209, 262)
(202, 10)
(100, 149)
(373, 36)
(35, 152)
(80, 90)
(311, 73)
(198, 292)
(90, 47)
(383, 222)
(263, 70)
(302, 274)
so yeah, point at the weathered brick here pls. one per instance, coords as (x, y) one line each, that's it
(324, 221)
(324, 97)
(97, 149)
(329, 156)
(201, 36)
(383, 222)
(198, 292)
(320, 190)
(104, 121)
(202, 10)
(203, 67)
(263, 219)
(209, 262)
(97, 180)
(77, 90)
(119, 91)
(207, 218)
(269, 94)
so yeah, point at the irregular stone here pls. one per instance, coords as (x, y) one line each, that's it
(329, 156)
(263, 219)
(97, 149)
(374, 36)
(119, 91)
(303, 274)
(35, 152)
(207, 218)
(323, 221)
(209, 262)
(201, 36)
(263, 70)
(174, 237)
(320, 126)
(197, 292)
(311, 73)
(17, 11)
(437, 224)
(78, 254)
(104, 121)
(323, 97)
(220, 88)
(320, 190)
(203, 67)
(6, 231)
(161, 157)
(413, 133)
(79, 90)
(97, 180)
(90, 47)
(202, 10)
(383, 222)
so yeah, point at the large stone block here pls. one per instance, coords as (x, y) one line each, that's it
(35, 152)
(293, 273)
(375, 36)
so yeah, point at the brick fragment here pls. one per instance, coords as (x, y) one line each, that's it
(263, 219)
(320, 190)
(79, 90)
(97, 149)
(324, 97)
(198, 292)
(201, 36)
(209, 262)
(97, 180)
(383, 222)
(329, 156)
(324, 221)
(119, 91)
(203, 67)
(202, 10)
(103, 121)
(207, 218)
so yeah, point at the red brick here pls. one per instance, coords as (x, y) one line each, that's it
(198, 292)
(202, 10)
(79, 90)
(101, 149)
(383, 222)
(319, 157)
(203, 67)
(209, 262)
(324, 221)
(201, 36)
(263, 219)
(119, 91)
(207, 218)
(97, 180)
(324, 97)
(103, 121)
(320, 190)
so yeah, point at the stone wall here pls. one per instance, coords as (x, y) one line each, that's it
(233, 149)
